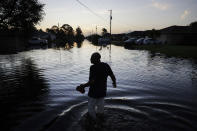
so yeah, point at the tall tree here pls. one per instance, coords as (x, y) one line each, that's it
(55, 29)
(79, 37)
(67, 29)
(21, 14)
(64, 34)
(69, 32)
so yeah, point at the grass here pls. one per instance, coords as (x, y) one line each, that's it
(171, 50)
(182, 51)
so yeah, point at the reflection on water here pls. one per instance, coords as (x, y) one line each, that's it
(21, 82)
(39, 85)
(79, 44)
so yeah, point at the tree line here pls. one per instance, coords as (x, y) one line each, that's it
(18, 19)
(66, 34)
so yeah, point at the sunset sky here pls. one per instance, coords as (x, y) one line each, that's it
(128, 15)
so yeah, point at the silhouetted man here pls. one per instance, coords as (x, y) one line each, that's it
(99, 72)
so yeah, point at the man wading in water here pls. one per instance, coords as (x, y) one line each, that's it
(99, 72)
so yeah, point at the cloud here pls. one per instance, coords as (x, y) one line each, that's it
(185, 14)
(161, 6)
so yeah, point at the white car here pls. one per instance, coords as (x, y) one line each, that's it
(151, 41)
(139, 41)
(130, 41)
(148, 41)
(37, 41)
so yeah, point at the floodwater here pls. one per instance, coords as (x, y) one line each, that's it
(154, 92)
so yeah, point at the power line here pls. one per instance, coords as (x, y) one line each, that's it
(116, 21)
(90, 9)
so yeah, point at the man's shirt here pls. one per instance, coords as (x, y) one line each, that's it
(99, 73)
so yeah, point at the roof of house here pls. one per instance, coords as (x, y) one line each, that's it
(176, 29)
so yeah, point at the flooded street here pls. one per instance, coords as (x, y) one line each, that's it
(37, 88)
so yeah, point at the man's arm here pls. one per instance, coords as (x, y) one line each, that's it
(90, 82)
(113, 78)
(111, 74)
(82, 87)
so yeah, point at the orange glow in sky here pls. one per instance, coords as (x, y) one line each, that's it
(128, 15)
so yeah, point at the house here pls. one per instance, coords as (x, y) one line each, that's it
(137, 34)
(178, 35)
(118, 37)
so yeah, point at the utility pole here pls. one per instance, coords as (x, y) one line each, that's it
(92, 34)
(110, 27)
(96, 30)
(110, 20)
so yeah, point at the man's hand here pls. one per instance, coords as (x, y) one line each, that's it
(81, 88)
(114, 85)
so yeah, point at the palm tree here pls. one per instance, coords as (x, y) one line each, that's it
(104, 32)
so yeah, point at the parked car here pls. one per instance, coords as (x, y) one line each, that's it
(151, 41)
(130, 41)
(148, 41)
(37, 41)
(139, 41)
(125, 38)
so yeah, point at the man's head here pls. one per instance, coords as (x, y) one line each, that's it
(95, 58)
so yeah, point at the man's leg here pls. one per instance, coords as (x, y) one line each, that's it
(91, 107)
(100, 105)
